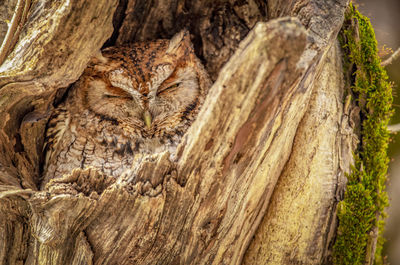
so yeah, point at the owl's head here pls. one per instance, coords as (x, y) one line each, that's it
(155, 88)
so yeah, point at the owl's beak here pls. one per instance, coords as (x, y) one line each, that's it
(147, 118)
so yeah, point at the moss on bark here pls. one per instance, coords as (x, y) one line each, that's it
(361, 213)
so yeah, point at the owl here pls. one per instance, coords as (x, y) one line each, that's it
(131, 100)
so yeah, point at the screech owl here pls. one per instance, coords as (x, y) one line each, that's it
(130, 100)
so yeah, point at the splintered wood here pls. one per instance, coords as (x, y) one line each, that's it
(236, 174)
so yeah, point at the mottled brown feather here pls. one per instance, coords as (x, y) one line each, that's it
(101, 122)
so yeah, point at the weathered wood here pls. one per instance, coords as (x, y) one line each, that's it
(217, 26)
(204, 203)
(170, 219)
(54, 47)
(312, 181)
(7, 8)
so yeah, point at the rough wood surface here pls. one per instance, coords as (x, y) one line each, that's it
(217, 26)
(312, 181)
(7, 8)
(203, 204)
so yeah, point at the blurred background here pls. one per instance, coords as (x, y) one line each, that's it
(385, 18)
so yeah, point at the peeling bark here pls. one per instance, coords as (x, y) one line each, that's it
(271, 133)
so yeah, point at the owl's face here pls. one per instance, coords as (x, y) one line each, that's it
(154, 88)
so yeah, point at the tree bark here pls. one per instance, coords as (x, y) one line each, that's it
(256, 179)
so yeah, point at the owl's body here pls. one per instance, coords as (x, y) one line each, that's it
(130, 101)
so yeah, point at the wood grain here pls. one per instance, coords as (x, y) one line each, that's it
(231, 177)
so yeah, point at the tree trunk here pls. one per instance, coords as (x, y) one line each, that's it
(256, 179)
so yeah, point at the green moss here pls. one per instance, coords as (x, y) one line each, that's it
(361, 213)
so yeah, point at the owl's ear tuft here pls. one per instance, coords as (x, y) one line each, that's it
(179, 42)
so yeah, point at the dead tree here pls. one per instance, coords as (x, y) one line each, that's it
(257, 177)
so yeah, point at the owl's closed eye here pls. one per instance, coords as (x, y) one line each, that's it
(129, 100)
